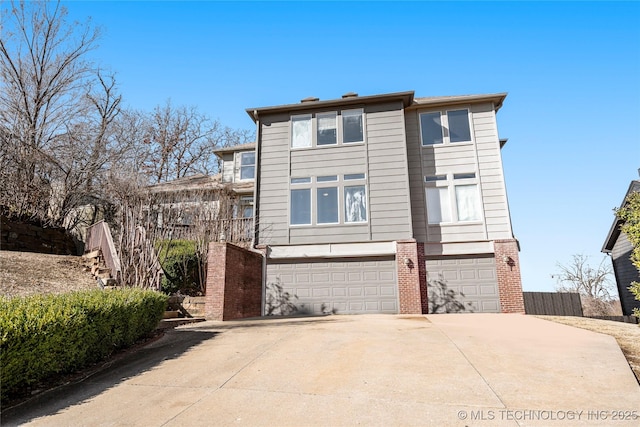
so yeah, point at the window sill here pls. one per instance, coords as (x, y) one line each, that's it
(449, 144)
(452, 224)
(334, 224)
(322, 147)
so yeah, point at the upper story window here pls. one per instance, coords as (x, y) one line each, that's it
(352, 126)
(443, 127)
(453, 198)
(247, 165)
(327, 128)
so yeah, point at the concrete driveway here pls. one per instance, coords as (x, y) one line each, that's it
(437, 370)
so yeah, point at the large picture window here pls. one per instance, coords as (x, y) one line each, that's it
(453, 198)
(444, 127)
(338, 199)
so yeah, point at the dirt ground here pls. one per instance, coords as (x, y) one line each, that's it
(626, 334)
(26, 273)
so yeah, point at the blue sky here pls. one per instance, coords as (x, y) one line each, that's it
(572, 71)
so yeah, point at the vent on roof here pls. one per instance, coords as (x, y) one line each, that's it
(350, 95)
(310, 99)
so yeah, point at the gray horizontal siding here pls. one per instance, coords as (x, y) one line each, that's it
(389, 199)
(274, 182)
(625, 273)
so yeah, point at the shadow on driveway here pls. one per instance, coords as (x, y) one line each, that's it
(170, 346)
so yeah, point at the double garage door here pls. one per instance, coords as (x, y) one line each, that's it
(469, 282)
(340, 286)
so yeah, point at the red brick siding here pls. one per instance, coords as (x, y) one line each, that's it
(234, 282)
(508, 275)
(409, 276)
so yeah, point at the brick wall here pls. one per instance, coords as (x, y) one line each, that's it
(234, 282)
(508, 275)
(411, 277)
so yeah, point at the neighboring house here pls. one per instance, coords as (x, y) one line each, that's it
(224, 202)
(362, 201)
(617, 245)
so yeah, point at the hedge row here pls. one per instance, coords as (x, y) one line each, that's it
(44, 335)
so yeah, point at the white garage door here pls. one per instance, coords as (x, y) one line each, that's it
(468, 282)
(341, 286)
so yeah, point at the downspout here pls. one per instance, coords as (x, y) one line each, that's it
(256, 211)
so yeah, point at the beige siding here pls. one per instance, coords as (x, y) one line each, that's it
(382, 158)
(274, 182)
(389, 199)
(482, 156)
(494, 196)
(227, 167)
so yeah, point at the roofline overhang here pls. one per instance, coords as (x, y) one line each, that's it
(614, 231)
(438, 101)
(249, 146)
(405, 97)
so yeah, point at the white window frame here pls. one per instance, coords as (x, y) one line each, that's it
(450, 181)
(340, 182)
(339, 128)
(242, 166)
(444, 124)
(300, 185)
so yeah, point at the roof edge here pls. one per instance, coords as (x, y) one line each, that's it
(614, 231)
(406, 98)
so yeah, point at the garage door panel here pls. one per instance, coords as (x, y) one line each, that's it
(472, 280)
(343, 286)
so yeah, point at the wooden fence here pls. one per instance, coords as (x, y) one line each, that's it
(552, 303)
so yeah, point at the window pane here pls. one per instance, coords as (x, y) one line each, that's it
(355, 204)
(352, 126)
(435, 178)
(431, 128)
(467, 202)
(438, 206)
(464, 175)
(459, 126)
(327, 129)
(300, 180)
(301, 206)
(247, 172)
(248, 159)
(301, 131)
(327, 205)
(353, 176)
(328, 178)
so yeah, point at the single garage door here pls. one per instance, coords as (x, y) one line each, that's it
(341, 286)
(470, 281)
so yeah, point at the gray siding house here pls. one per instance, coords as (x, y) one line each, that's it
(618, 246)
(370, 204)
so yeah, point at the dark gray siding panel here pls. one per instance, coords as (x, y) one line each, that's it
(625, 273)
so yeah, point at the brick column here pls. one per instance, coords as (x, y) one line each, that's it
(508, 272)
(234, 282)
(410, 272)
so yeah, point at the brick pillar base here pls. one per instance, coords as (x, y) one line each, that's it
(411, 275)
(234, 282)
(508, 272)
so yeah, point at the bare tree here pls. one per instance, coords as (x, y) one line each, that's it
(593, 284)
(56, 113)
(181, 142)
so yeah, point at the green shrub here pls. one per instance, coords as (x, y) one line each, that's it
(44, 335)
(181, 264)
